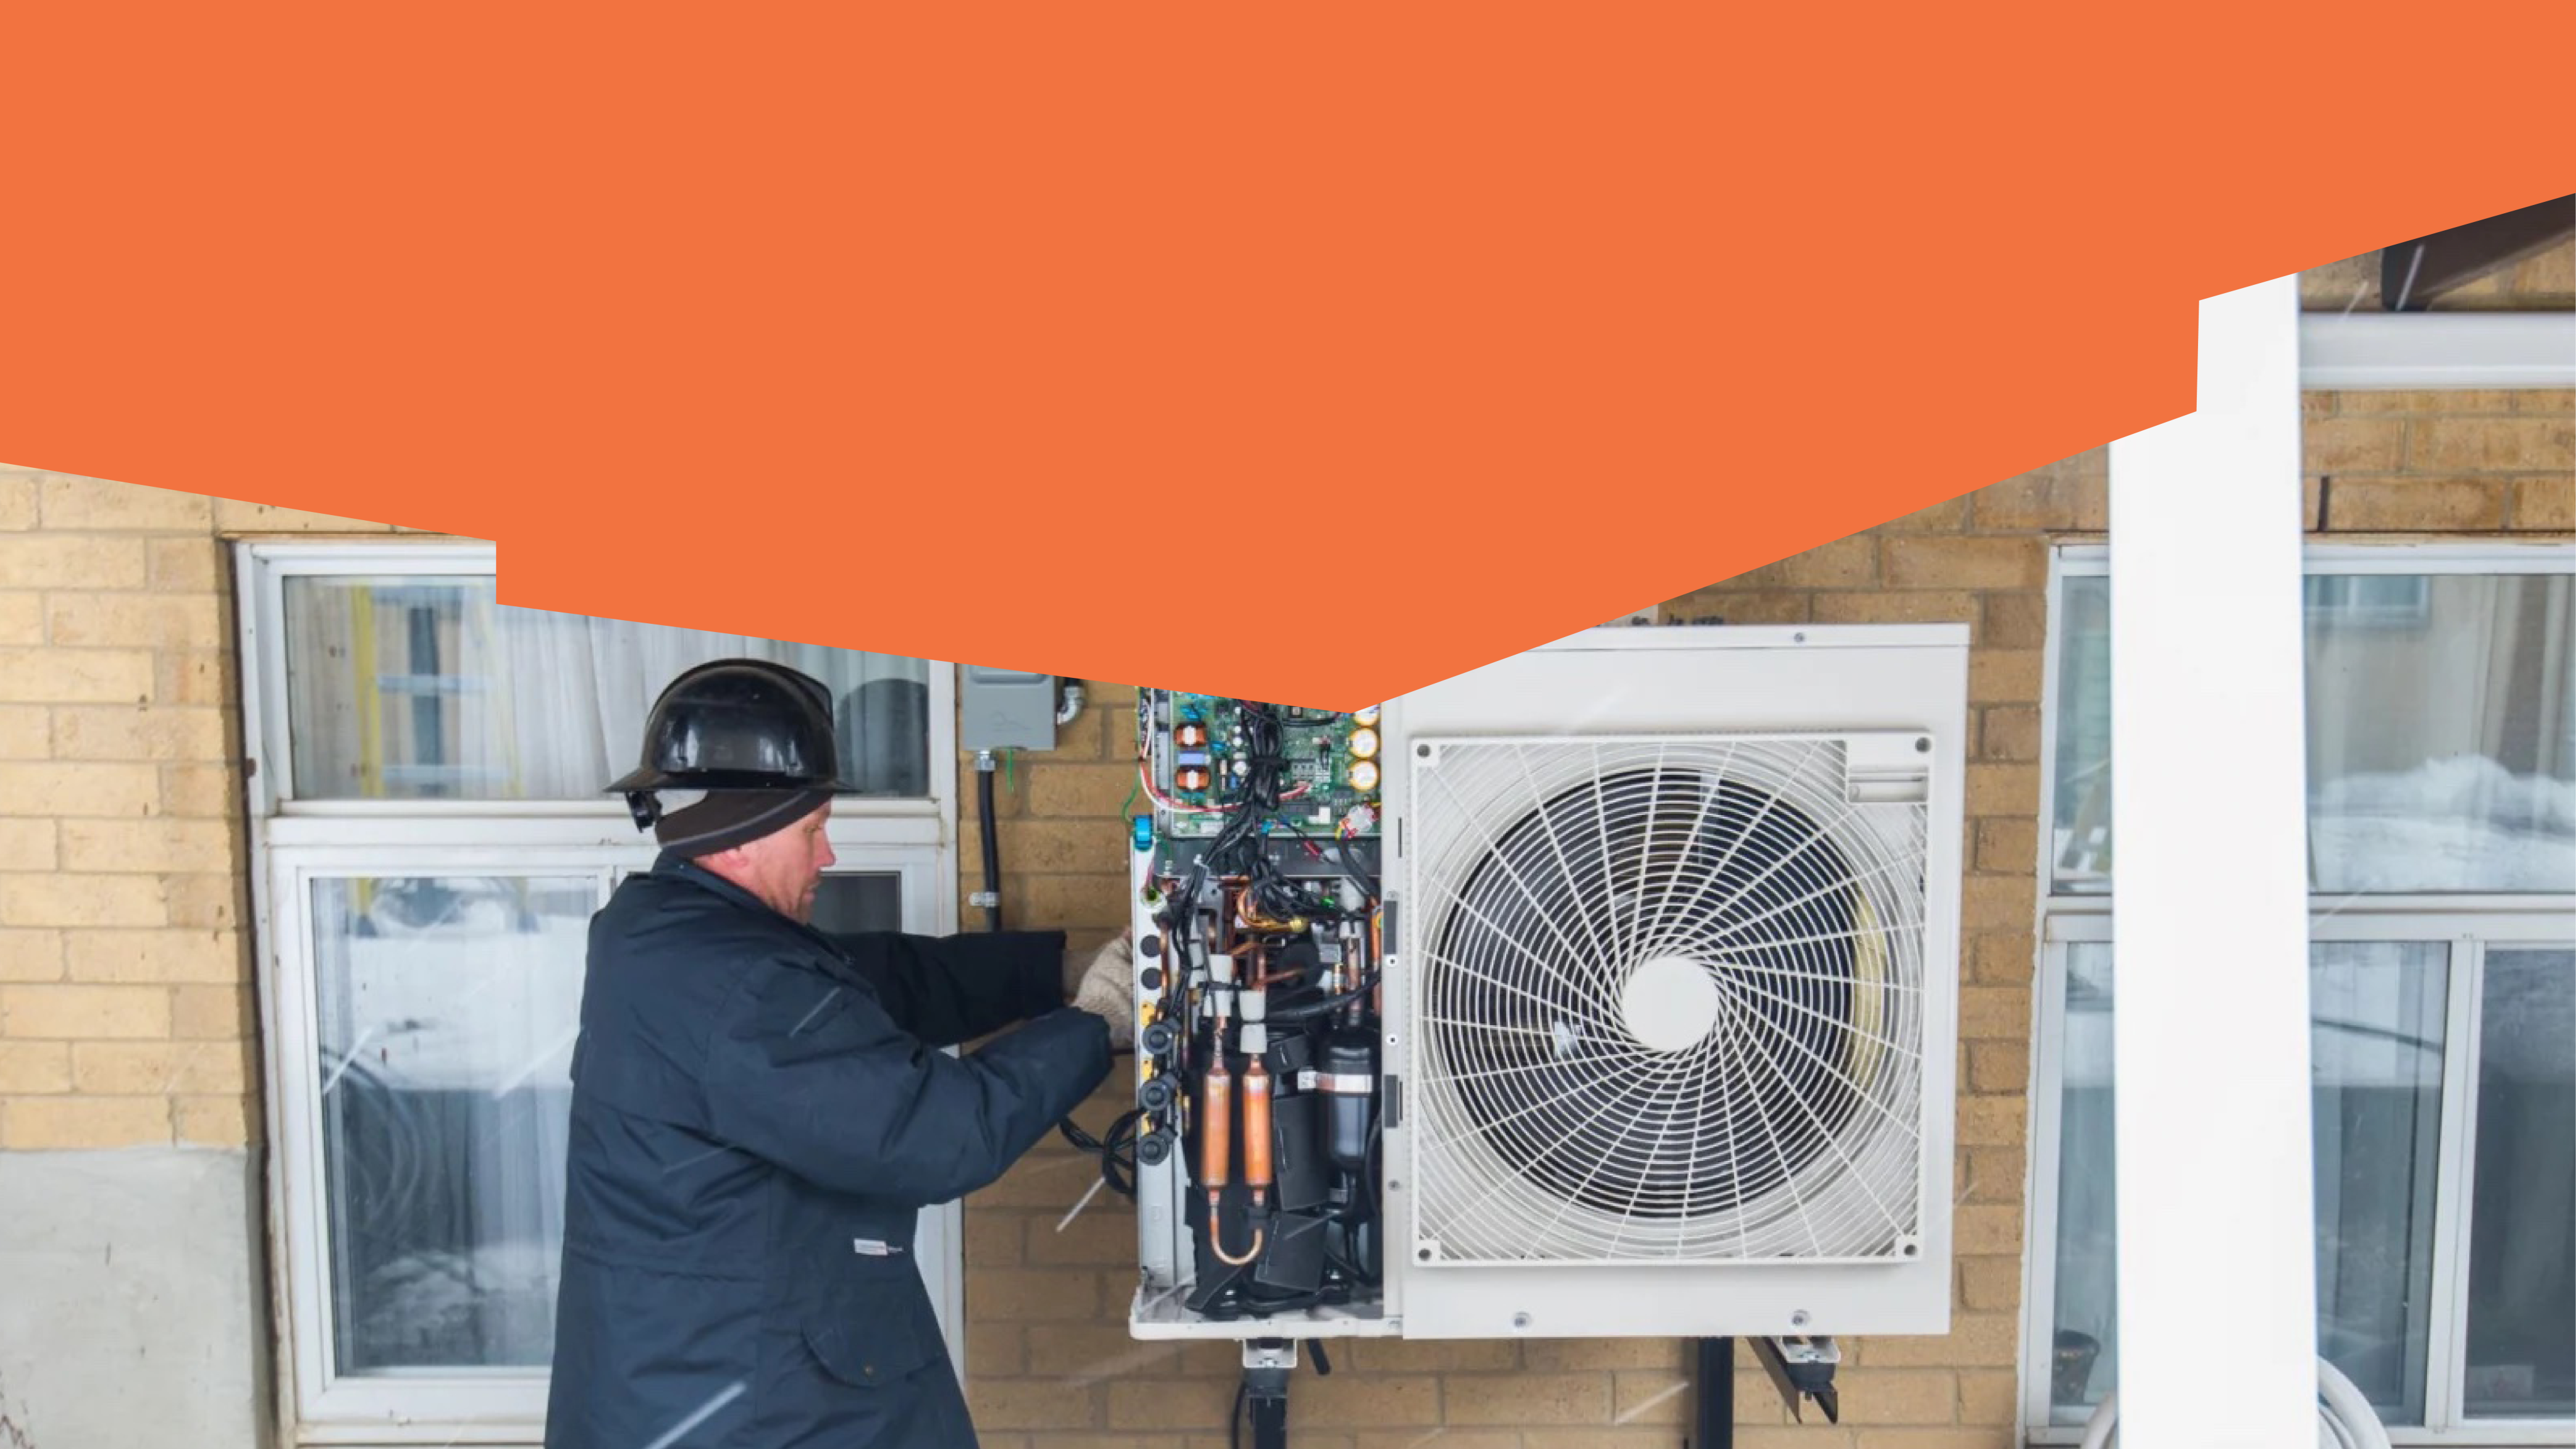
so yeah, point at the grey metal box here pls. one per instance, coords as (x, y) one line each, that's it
(1006, 709)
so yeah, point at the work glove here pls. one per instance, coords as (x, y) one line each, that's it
(1107, 989)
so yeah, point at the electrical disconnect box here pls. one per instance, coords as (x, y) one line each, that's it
(1607, 990)
(1006, 709)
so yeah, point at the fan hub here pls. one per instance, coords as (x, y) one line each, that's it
(1669, 1003)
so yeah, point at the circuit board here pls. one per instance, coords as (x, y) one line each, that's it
(1194, 749)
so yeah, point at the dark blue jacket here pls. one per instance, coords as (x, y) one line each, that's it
(758, 1111)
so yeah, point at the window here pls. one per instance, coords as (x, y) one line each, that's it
(432, 836)
(2441, 696)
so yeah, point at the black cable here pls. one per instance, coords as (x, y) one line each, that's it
(992, 844)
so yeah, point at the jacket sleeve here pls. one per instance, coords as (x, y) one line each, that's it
(949, 989)
(816, 1077)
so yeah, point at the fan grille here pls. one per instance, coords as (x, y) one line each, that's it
(1669, 1000)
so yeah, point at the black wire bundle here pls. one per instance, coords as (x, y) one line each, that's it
(1116, 1150)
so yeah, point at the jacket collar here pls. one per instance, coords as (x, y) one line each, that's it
(674, 866)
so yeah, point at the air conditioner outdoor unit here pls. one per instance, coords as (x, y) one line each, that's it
(1658, 981)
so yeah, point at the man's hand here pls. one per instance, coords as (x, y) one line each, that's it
(1107, 989)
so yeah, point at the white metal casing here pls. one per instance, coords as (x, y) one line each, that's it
(1692, 682)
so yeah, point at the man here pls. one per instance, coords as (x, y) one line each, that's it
(759, 1109)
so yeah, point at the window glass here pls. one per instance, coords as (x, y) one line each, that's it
(447, 1008)
(427, 688)
(2441, 734)
(2376, 1060)
(2522, 1226)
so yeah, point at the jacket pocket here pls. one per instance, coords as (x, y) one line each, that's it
(875, 1342)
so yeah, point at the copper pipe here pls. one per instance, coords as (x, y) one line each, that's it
(1216, 1129)
(1256, 1131)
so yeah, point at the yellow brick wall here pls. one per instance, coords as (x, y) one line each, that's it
(126, 1015)
(1051, 1364)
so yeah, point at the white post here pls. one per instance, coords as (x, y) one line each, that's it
(2217, 1283)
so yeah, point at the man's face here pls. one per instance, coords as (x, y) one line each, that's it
(784, 867)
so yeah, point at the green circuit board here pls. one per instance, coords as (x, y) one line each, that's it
(1202, 732)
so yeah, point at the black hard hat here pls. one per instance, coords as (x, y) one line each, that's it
(732, 725)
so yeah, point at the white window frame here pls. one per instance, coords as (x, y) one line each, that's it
(2469, 924)
(296, 842)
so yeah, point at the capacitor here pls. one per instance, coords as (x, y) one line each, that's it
(1239, 768)
(1364, 744)
(1363, 775)
(1366, 716)
(1191, 779)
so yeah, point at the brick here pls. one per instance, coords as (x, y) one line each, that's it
(2010, 732)
(201, 791)
(992, 1238)
(1180, 1403)
(1990, 1284)
(1992, 1174)
(1533, 1398)
(2006, 844)
(1637, 1436)
(22, 618)
(2436, 402)
(1994, 1013)
(1649, 1398)
(1044, 847)
(1986, 1398)
(2415, 505)
(1092, 1352)
(1897, 1396)
(28, 1068)
(2354, 445)
(1986, 1228)
(1998, 1066)
(224, 1121)
(2002, 958)
(1363, 1401)
(202, 676)
(2492, 445)
(2546, 401)
(128, 732)
(1074, 790)
(74, 676)
(1445, 1439)
(1102, 1237)
(70, 561)
(1032, 1404)
(1046, 1178)
(2312, 504)
(1440, 1355)
(209, 902)
(172, 957)
(66, 900)
(993, 1350)
(152, 1069)
(17, 499)
(26, 733)
(1068, 902)
(1975, 1340)
(37, 1124)
(2003, 789)
(2315, 405)
(232, 515)
(66, 1013)
(1033, 1295)
(1845, 563)
(1558, 1354)
(1987, 1121)
(2049, 501)
(211, 1013)
(27, 845)
(156, 844)
(2547, 279)
(68, 502)
(1911, 606)
(2004, 676)
(1948, 516)
(1746, 606)
(30, 955)
(2015, 620)
(1988, 1437)
(140, 621)
(185, 565)
(2545, 504)
(1966, 563)
(1997, 902)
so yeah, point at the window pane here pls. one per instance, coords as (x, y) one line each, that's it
(446, 1014)
(850, 904)
(2081, 842)
(2522, 1221)
(2376, 1060)
(2375, 1055)
(2442, 732)
(428, 688)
